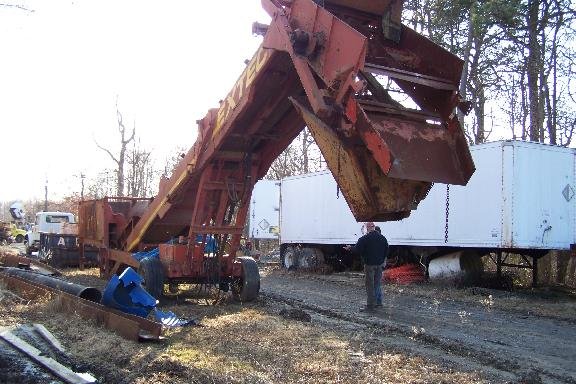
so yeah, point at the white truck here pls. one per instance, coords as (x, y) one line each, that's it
(50, 223)
(520, 200)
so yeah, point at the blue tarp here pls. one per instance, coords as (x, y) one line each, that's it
(210, 247)
(142, 254)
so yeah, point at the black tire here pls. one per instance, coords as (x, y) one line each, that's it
(19, 238)
(152, 272)
(247, 287)
(289, 257)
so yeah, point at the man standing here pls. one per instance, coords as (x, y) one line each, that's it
(373, 248)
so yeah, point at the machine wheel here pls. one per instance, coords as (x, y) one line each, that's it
(153, 274)
(19, 238)
(173, 288)
(247, 287)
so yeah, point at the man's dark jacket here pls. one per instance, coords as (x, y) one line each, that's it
(373, 247)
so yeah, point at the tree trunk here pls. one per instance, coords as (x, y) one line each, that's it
(466, 58)
(533, 70)
(552, 100)
(120, 172)
(479, 107)
(305, 150)
(524, 103)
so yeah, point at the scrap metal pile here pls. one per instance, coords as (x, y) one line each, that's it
(124, 306)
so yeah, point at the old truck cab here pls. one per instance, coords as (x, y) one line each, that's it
(47, 222)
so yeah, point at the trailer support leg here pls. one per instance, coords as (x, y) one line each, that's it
(499, 264)
(534, 271)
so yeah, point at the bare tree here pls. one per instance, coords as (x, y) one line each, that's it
(301, 156)
(103, 184)
(172, 161)
(120, 158)
(141, 174)
(542, 33)
(466, 28)
(16, 6)
(287, 164)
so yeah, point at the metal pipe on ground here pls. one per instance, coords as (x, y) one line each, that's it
(87, 293)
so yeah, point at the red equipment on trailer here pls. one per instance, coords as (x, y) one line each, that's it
(317, 66)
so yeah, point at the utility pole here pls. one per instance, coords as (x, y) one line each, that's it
(82, 176)
(46, 195)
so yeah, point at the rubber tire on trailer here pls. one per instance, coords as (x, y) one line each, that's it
(312, 258)
(153, 274)
(248, 286)
(289, 256)
(19, 238)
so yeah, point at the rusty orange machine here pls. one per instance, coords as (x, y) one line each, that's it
(320, 65)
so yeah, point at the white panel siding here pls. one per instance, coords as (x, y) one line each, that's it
(513, 200)
(264, 210)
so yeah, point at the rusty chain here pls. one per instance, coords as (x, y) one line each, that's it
(447, 212)
(337, 181)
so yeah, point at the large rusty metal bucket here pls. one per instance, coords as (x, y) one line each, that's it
(384, 155)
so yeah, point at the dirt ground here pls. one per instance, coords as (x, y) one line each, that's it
(423, 334)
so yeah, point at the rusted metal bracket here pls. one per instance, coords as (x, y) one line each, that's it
(15, 261)
(128, 326)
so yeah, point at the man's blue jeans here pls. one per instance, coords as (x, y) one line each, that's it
(373, 280)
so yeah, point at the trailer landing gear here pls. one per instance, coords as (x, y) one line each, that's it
(502, 259)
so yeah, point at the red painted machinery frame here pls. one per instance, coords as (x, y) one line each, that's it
(317, 66)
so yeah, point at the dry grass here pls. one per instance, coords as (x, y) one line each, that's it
(87, 276)
(237, 344)
(7, 250)
(539, 301)
(253, 344)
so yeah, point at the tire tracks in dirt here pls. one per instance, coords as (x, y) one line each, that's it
(401, 325)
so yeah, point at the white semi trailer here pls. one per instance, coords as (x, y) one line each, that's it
(264, 210)
(520, 200)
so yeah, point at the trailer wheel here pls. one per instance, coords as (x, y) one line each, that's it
(19, 238)
(288, 258)
(151, 271)
(311, 258)
(246, 288)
